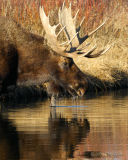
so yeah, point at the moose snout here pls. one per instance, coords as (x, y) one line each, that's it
(80, 92)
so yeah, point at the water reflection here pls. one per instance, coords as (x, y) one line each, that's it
(94, 128)
(55, 140)
(9, 142)
(59, 143)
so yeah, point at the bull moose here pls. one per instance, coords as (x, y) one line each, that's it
(30, 59)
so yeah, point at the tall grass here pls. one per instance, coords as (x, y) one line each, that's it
(26, 12)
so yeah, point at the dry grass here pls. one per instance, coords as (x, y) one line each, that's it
(107, 71)
(110, 70)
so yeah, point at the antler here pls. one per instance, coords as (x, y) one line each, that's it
(72, 34)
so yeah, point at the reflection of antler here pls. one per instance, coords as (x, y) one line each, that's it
(72, 35)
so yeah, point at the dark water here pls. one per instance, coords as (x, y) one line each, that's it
(89, 128)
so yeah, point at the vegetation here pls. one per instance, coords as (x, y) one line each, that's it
(107, 71)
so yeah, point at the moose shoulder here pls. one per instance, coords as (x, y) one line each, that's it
(26, 59)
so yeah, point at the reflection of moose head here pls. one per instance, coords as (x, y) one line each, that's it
(58, 143)
(9, 147)
(56, 138)
(68, 134)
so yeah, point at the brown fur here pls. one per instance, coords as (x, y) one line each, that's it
(26, 59)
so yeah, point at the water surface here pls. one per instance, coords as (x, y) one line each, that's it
(88, 128)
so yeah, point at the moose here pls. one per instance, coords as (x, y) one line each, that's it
(30, 59)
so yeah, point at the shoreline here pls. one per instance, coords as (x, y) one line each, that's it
(34, 93)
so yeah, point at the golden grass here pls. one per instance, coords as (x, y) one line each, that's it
(110, 70)
(107, 71)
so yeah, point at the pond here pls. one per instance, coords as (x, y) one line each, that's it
(94, 127)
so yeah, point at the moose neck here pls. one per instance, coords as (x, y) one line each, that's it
(33, 56)
(34, 60)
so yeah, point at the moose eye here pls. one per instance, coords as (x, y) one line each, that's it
(64, 65)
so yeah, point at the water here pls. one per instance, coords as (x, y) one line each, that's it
(95, 127)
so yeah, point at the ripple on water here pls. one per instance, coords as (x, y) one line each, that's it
(94, 127)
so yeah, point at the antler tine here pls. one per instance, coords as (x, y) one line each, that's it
(72, 39)
(70, 7)
(50, 34)
(99, 53)
(84, 54)
(74, 19)
(76, 33)
(57, 25)
(63, 5)
(82, 21)
(89, 34)
(65, 18)
(60, 31)
(64, 43)
(89, 53)
(81, 40)
(84, 47)
(45, 22)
